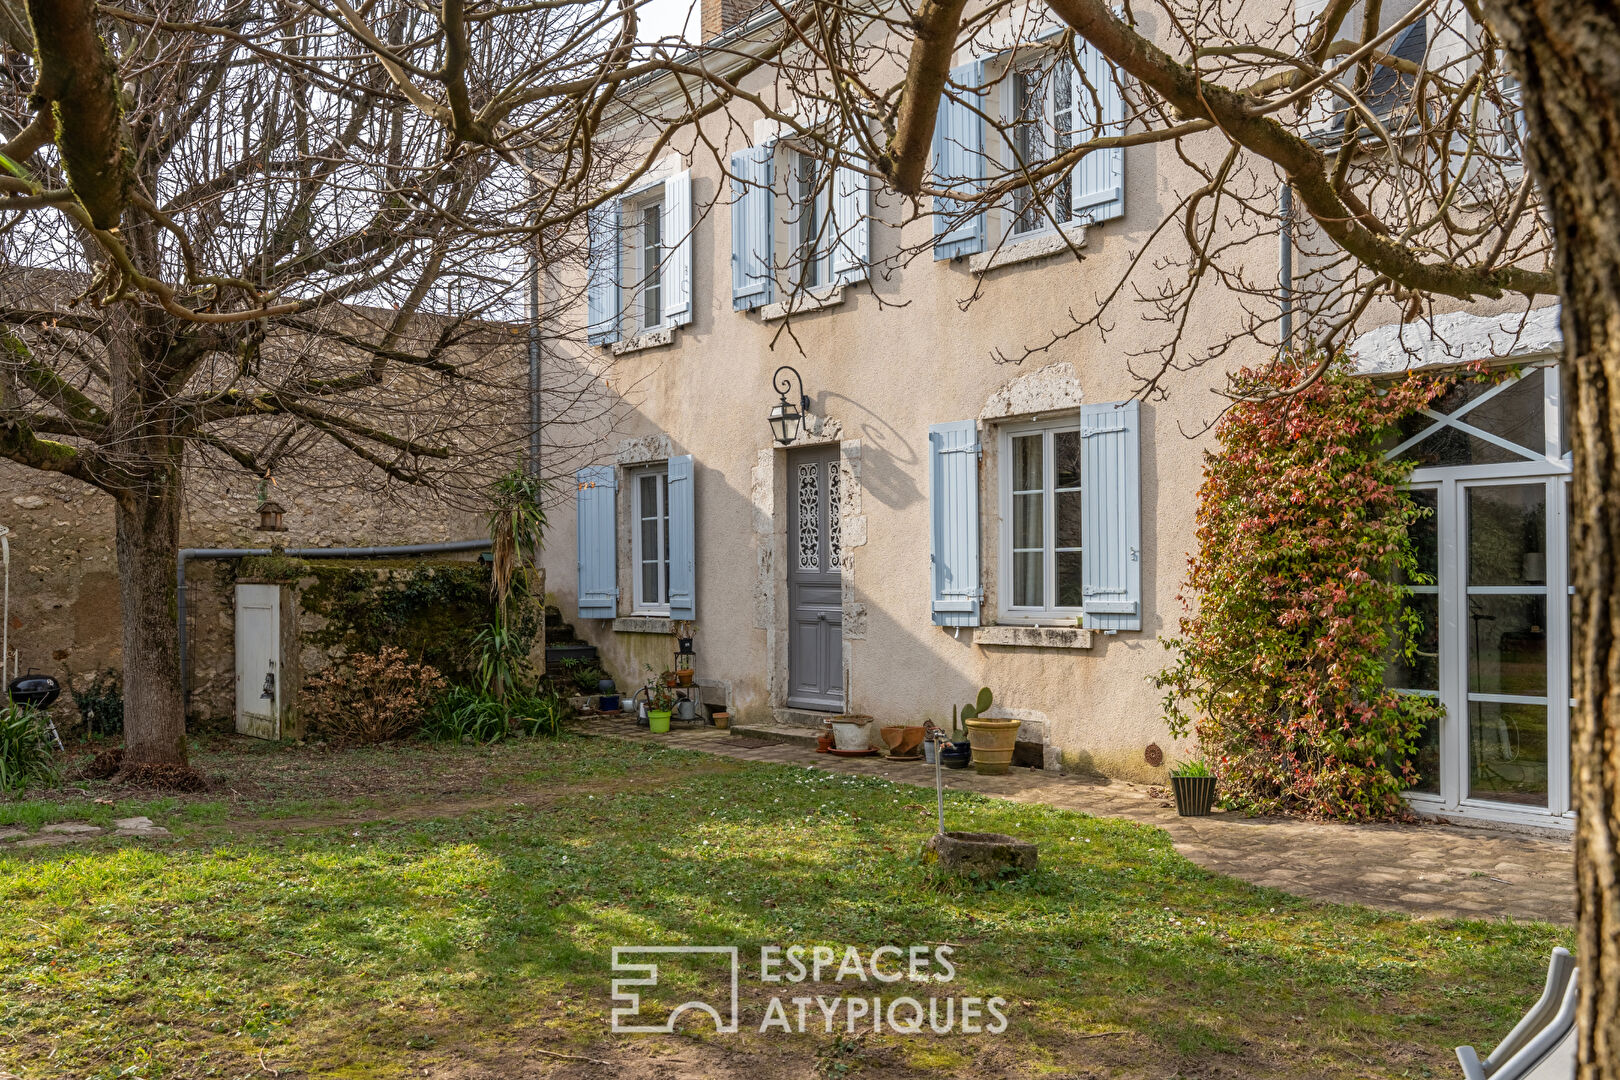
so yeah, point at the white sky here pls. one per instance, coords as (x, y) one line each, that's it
(660, 18)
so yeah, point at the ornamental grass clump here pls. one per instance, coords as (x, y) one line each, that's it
(1294, 598)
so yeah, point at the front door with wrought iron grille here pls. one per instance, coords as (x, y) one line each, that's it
(815, 593)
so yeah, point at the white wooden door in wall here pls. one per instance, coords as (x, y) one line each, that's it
(814, 582)
(1495, 608)
(258, 655)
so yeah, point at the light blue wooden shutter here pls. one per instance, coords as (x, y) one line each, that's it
(851, 225)
(682, 539)
(602, 270)
(675, 279)
(1097, 184)
(598, 551)
(953, 506)
(752, 253)
(1111, 515)
(959, 162)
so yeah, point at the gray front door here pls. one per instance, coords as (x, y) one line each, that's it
(815, 604)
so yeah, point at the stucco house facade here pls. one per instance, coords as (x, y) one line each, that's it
(975, 495)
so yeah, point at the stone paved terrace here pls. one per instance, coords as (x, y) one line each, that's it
(1429, 870)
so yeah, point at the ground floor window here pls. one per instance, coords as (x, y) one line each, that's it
(1041, 516)
(1494, 600)
(649, 538)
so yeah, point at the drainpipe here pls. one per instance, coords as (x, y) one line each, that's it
(1285, 264)
(534, 337)
(395, 552)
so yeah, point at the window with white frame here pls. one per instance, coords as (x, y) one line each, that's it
(644, 259)
(1041, 520)
(1513, 131)
(639, 262)
(1041, 115)
(808, 197)
(649, 538)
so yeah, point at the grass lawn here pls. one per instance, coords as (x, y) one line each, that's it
(421, 911)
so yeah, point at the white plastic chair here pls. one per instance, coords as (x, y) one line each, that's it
(1542, 1045)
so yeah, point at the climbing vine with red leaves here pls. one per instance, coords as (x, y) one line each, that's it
(1293, 604)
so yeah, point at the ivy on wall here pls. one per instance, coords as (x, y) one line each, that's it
(1294, 603)
(432, 610)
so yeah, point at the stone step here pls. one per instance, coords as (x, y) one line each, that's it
(797, 718)
(778, 733)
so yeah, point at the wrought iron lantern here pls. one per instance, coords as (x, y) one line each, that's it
(787, 417)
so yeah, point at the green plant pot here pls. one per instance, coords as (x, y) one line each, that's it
(1194, 795)
(658, 721)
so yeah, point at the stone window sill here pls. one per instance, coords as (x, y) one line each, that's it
(814, 300)
(644, 624)
(1033, 637)
(1036, 247)
(650, 339)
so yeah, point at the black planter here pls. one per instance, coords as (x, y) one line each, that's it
(1194, 795)
(956, 755)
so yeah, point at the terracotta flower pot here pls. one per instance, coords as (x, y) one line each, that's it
(993, 745)
(684, 677)
(903, 740)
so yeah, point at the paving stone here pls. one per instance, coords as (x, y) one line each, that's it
(73, 828)
(48, 841)
(11, 834)
(1423, 870)
(132, 823)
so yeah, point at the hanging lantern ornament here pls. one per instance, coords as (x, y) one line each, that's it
(270, 515)
(787, 417)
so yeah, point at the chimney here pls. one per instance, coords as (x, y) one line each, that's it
(721, 15)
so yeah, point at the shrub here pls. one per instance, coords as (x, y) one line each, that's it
(101, 704)
(1294, 598)
(27, 751)
(371, 698)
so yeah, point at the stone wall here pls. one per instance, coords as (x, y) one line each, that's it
(65, 618)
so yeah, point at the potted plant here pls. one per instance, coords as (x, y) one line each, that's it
(660, 701)
(993, 740)
(1194, 786)
(683, 675)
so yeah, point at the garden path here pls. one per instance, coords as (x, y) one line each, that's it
(1429, 870)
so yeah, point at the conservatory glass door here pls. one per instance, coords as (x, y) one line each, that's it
(1492, 598)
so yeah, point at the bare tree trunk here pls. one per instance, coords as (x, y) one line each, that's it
(1563, 52)
(148, 541)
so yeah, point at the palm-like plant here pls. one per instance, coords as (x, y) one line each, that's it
(517, 527)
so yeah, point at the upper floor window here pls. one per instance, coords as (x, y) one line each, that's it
(1055, 104)
(808, 198)
(791, 208)
(645, 280)
(1041, 519)
(1042, 127)
(1514, 132)
(639, 264)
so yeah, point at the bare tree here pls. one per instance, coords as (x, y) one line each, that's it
(230, 242)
